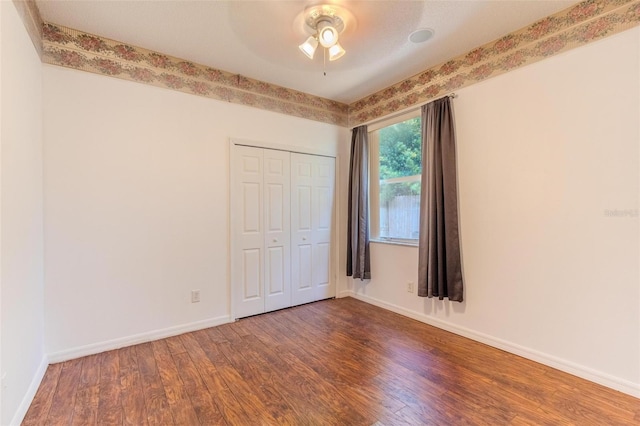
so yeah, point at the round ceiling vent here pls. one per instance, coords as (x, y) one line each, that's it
(421, 35)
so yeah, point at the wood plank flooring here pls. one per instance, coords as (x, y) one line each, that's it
(335, 362)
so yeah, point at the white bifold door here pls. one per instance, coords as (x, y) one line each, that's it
(312, 187)
(280, 200)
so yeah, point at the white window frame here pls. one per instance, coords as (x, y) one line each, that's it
(374, 179)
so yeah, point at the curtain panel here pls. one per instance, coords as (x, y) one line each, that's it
(439, 264)
(358, 258)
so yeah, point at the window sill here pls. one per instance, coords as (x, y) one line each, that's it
(395, 242)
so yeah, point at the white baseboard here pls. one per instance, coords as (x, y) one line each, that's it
(581, 371)
(31, 392)
(344, 293)
(135, 339)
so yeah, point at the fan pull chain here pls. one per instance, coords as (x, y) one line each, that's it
(324, 61)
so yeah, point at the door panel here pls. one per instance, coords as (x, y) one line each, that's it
(324, 185)
(251, 210)
(247, 247)
(325, 196)
(304, 168)
(301, 228)
(277, 237)
(275, 195)
(251, 267)
(312, 220)
(276, 278)
(303, 207)
(305, 252)
(322, 256)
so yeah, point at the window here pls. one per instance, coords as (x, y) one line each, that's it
(396, 167)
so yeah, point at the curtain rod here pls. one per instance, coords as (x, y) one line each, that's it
(406, 111)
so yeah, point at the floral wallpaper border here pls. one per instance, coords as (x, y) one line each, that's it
(578, 25)
(79, 50)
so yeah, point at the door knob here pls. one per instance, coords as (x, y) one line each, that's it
(304, 238)
(275, 240)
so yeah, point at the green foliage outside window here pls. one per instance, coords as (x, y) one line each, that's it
(400, 155)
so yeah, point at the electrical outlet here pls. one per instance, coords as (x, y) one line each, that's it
(195, 296)
(410, 286)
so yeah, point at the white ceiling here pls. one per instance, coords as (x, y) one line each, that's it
(259, 39)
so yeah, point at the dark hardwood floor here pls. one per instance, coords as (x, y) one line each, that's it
(337, 362)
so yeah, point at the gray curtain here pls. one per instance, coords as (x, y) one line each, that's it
(439, 266)
(358, 259)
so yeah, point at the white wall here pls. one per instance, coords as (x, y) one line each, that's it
(136, 206)
(21, 234)
(543, 153)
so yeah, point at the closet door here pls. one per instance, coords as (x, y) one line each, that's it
(277, 226)
(312, 218)
(247, 235)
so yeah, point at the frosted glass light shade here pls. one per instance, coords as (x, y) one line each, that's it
(336, 52)
(309, 47)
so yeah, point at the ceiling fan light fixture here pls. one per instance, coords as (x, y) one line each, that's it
(336, 52)
(309, 47)
(325, 23)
